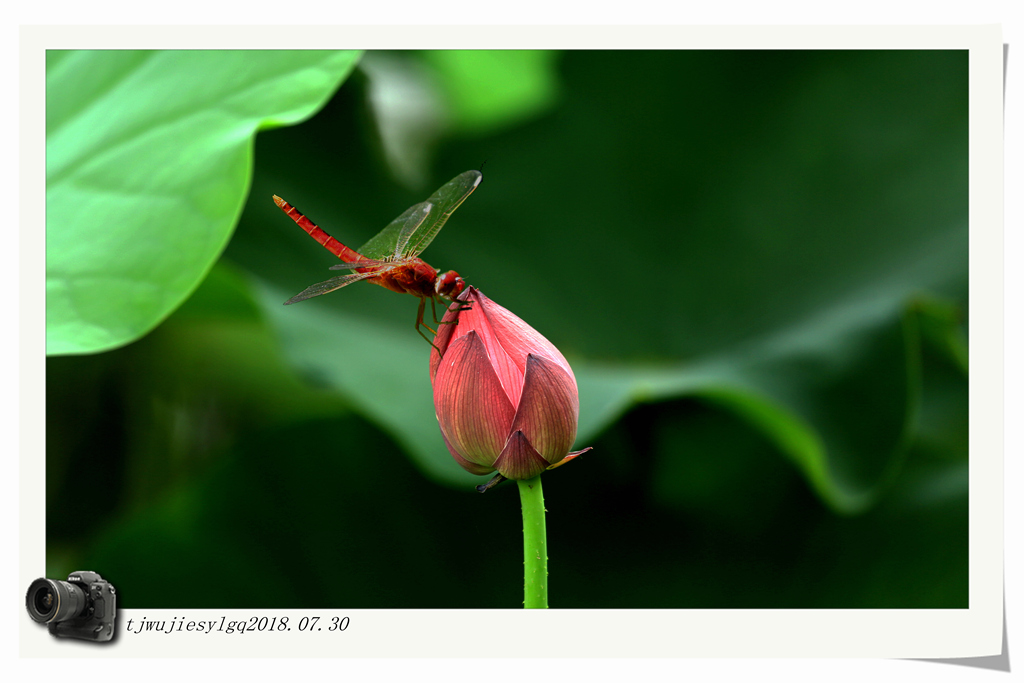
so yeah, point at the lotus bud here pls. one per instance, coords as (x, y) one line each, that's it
(505, 397)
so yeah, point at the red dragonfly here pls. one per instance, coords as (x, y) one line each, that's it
(391, 258)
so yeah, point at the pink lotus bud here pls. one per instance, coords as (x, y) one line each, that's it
(505, 397)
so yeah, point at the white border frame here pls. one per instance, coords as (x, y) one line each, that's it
(568, 633)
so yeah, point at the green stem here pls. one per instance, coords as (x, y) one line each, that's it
(535, 543)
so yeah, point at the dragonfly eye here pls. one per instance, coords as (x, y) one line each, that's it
(449, 285)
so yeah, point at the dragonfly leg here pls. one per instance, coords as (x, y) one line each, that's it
(428, 340)
(463, 306)
(419, 324)
(419, 317)
(433, 310)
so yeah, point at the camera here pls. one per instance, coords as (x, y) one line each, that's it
(81, 607)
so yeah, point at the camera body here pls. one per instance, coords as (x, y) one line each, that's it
(83, 607)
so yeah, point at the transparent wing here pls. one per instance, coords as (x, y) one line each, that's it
(401, 240)
(352, 265)
(329, 286)
(382, 245)
(445, 201)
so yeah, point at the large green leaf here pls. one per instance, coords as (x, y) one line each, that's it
(148, 160)
(817, 417)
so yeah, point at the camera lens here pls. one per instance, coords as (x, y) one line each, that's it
(53, 601)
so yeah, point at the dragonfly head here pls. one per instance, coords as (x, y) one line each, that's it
(449, 285)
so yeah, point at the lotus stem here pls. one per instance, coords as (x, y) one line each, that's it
(535, 544)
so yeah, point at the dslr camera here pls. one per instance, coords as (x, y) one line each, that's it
(81, 607)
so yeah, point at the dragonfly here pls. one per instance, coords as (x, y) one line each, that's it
(391, 257)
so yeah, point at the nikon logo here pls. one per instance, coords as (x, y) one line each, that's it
(74, 578)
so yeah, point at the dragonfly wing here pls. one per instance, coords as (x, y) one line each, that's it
(329, 286)
(382, 245)
(410, 229)
(444, 202)
(352, 265)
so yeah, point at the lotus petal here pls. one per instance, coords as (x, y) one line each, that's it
(548, 409)
(474, 413)
(519, 459)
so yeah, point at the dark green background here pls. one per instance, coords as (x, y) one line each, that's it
(756, 262)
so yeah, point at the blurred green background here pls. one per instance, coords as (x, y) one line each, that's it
(756, 262)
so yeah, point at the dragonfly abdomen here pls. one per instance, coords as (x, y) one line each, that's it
(329, 243)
